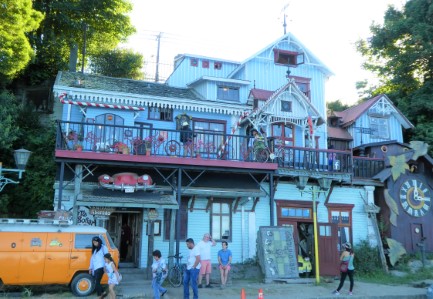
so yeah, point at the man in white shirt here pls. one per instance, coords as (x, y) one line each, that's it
(205, 258)
(192, 269)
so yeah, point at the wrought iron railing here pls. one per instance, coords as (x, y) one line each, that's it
(134, 140)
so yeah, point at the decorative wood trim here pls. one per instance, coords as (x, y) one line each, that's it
(256, 200)
(236, 205)
(191, 207)
(209, 204)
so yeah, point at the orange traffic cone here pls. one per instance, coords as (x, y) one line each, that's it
(243, 296)
(260, 294)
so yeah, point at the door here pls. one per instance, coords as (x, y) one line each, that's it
(136, 226)
(57, 258)
(328, 249)
(416, 235)
(31, 266)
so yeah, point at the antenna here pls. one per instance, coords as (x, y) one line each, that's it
(283, 11)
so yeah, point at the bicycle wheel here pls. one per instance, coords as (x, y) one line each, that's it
(261, 155)
(172, 148)
(175, 276)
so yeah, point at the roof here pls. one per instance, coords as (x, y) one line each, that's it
(25, 227)
(310, 58)
(339, 133)
(350, 115)
(260, 94)
(90, 81)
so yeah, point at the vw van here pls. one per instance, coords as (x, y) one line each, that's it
(45, 252)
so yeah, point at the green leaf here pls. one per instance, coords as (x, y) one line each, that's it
(396, 250)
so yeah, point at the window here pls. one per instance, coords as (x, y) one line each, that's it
(217, 65)
(286, 106)
(183, 209)
(303, 85)
(284, 133)
(221, 218)
(194, 62)
(342, 216)
(208, 134)
(158, 113)
(294, 212)
(290, 58)
(107, 130)
(379, 127)
(84, 241)
(228, 93)
(205, 64)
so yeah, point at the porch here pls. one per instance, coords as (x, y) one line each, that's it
(92, 141)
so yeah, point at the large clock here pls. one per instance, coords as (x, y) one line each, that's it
(415, 197)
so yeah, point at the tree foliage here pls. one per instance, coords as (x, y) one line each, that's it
(9, 131)
(400, 53)
(336, 106)
(120, 63)
(17, 17)
(105, 23)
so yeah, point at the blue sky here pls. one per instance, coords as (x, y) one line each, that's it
(235, 30)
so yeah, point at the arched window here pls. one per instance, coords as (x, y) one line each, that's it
(109, 129)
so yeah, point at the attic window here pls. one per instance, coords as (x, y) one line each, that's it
(288, 58)
(205, 64)
(228, 93)
(286, 106)
(217, 65)
(194, 62)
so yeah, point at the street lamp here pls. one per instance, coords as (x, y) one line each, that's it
(21, 157)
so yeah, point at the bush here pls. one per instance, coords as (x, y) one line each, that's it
(367, 260)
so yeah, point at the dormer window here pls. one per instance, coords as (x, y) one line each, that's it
(205, 64)
(288, 58)
(379, 127)
(194, 62)
(217, 65)
(228, 93)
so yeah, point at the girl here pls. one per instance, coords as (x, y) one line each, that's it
(113, 275)
(96, 267)
(346, 256)
(159, 273)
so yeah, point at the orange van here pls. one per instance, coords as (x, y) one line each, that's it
(42, 252)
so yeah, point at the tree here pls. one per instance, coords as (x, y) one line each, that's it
(336, 106)
(9, 131)
(17, 17)
(120, 63)
(400, 53)
(105, 23)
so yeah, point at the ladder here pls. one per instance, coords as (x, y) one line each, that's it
(372, 210)
(35, 221)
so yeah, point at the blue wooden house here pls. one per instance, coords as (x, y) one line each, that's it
(157, 163)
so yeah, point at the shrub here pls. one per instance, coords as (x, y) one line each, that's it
(367, 259)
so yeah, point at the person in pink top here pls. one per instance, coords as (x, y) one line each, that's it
(205, 246)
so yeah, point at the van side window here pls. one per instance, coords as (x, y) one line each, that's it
(84, 241)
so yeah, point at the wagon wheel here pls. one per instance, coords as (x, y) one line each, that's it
(172, 148)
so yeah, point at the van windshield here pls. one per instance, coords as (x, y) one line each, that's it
(112, 245)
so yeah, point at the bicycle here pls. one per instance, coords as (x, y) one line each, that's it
(175, 273)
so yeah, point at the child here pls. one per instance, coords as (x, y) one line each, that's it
(159, 273)
(113, 275)
(224, 260)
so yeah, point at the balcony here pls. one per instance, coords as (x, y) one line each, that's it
(155, 145)
(364, 167)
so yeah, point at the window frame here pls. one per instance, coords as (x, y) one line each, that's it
(213, 214)
(288, 141)
(302, 81)
(379, 128)
(228, 93)
(345, 208)
(294, 204)
(169, 113)
(288, 58)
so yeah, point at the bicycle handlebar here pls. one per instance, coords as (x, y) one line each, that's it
(177, 256)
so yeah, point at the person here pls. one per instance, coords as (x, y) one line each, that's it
(113, 275)
(186, 137)
(97, 263)
(224, 260)
(192, 270)
(205, 259)
(159, 273)
(346, 256)
(125, 240)
(258, 143)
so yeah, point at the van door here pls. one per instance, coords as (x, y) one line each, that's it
(57, 259)
(31, 266)
(11, 247)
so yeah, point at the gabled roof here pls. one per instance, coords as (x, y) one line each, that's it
(339, 133)
(349, 116)
(310, 58)
(260, 94)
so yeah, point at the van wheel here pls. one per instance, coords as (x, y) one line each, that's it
(83, 285)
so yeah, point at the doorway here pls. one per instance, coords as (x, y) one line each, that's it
(125, 230)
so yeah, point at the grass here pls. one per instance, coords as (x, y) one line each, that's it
(389, 279)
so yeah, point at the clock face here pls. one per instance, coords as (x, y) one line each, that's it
(415, 197)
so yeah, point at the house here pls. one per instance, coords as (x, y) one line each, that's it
(177, 160)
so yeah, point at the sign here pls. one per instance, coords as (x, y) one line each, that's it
(101, 211)
(152, 214)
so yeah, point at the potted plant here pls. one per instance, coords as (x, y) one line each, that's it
(121, 147)
(148, 144)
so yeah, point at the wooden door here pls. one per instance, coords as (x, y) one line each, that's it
(416, 235)
(328, 250)
(135, 220)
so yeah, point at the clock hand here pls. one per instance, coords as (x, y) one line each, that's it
(415, 191)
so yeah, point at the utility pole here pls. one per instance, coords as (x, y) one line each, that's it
(157, 57)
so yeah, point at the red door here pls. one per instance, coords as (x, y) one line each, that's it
(328, 251)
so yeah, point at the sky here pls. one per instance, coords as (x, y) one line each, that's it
(235, 30)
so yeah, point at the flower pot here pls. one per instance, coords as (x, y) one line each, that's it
(125, 151)
(79, 149)
(147, 152)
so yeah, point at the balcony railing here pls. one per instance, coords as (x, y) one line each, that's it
(136, 140)
(364, 167)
